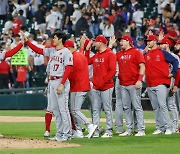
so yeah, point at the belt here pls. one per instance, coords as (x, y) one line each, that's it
(54, 77)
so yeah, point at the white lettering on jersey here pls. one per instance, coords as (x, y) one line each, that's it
(125, 57)
(99, 60)
(56, 58)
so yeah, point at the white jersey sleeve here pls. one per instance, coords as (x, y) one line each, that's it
(2, 55)
(48, 67)
(48, 52)
(68, 58)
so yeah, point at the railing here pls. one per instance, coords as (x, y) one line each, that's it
(23, 90)
(38, 90)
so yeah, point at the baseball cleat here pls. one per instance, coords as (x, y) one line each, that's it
(156, 132)
(125, 134)
(77, 134)
(96, 134)
(91, 130)
(140, 134)
(168, 132)
(107, 135)
(47, 134)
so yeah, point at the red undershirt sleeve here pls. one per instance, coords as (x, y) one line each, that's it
(13, 51)
(35, 48)
(67, 71)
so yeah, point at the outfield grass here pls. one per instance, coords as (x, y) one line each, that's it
(40, 113)
(151, 144)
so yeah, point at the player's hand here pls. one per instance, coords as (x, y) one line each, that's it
(161, 35)
(82, 41)
(59, 89)
(174, 89)
(24, 38)
(138, 84)
(89, 45)
(112, 40)
(170, 75)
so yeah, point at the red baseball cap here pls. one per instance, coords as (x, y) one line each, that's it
(166, 41)
(101, 38)
(127, 38)
(69, 43)
(151, 38)
(178, 42)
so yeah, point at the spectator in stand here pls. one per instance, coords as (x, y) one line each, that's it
(94, 21)
(53, 20)
(132, 8)
(40, 18)
(107, 28)
(39, 59)
(22, 18)
(4, 74)
(22, 6)
(21, 77)
(3, 9)
(17, 24)
(81, 25)
(69, 12)
(76, 16)
(112, 16)
(16, 40)
(168, 8)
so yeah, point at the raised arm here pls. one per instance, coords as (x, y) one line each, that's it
(13, 51)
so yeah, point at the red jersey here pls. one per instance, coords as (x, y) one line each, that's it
(16, 26)
(157, 67)
(79, 77)
(21, 74)
(128, 62)
(104, 69)
(4, 67)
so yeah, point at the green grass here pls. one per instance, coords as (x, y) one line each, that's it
(151, 144)
(40, 113)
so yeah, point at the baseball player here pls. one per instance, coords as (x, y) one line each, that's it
(10, 53)
(79, 85)
(49, 111)
(165, 45)
(104, 69)
(177, 52)
(84, 41)
(131, 71)
(60, 68)
(158, 79)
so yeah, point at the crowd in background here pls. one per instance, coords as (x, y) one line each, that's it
(40, 18)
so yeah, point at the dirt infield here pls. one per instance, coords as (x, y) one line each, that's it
(19, 143)
(41, 119)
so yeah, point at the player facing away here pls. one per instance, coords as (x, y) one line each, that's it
(79, 86)
(165, 44)
(104, 69)
(131, 70)
(60, 68)
(49, 111)
(177, 94)
(158, 79)
(10, 53)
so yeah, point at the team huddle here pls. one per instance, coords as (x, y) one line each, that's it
(68, 72)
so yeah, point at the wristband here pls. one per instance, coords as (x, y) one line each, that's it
(140, 77)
